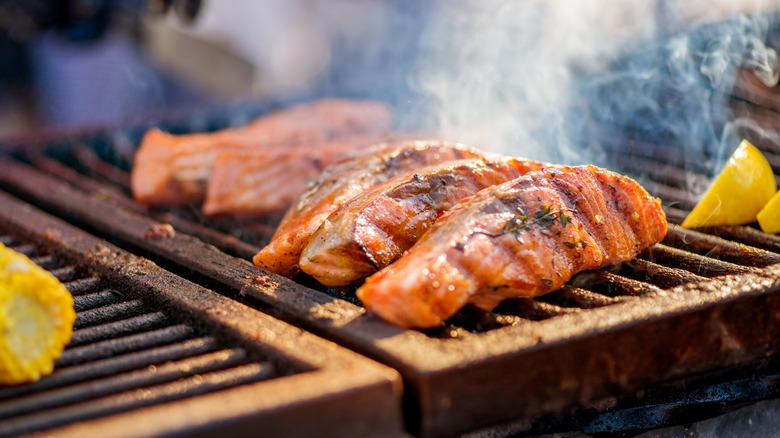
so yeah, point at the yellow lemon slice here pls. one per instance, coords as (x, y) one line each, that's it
(769, 216)
(740, 191)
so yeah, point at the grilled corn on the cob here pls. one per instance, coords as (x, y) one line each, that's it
(36, 319)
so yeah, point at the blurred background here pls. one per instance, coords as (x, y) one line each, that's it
(94, 62)
(496, 71)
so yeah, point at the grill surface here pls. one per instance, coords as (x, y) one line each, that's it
(143, 338)
(697, 302)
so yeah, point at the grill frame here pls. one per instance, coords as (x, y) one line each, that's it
(313, 395)
(472, 381)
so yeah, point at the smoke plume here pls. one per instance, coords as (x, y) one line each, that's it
(564, 81)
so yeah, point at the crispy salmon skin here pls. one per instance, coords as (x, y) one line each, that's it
(376, 227)
(525, 237)
(339, 183)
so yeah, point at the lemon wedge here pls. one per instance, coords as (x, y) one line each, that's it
(769, 216)
(739, 192)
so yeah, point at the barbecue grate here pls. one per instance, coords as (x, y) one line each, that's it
(701, 300)
(131, 348)
(684, 257)
(676, 301)
(120, 346)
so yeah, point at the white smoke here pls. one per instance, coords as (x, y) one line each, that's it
(501, 73)
(540, 78)
(546, 79)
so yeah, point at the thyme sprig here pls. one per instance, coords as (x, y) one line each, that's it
(545, 218)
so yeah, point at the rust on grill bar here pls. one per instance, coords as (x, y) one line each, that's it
(144, 338)
(610, 332)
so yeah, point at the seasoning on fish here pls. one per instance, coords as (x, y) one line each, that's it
(264, 181)
(375, 228)
(525, 237)
(174, 169)
(339, 183)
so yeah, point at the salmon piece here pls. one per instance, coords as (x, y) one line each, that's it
(375, 228)
(265, 181)
(522, 238)
(256, 183)
(320, 120)
(342, 181)
(174, 169)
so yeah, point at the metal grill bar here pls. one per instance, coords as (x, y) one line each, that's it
(65, 273)
(152, 375)
(96, 299)
(225, 241)
(659, 275)
(665, 154)
(115, 365)
(695, 263)
(746, 235)
(97, 167)
(111, 312)
(186, 387)
(585, 299)
(473, 320)
(613, 285)
(721, 249)
(105, 359)
(83, 285)
(47, 262)
(55, 167)
(115, 329)
(674, 214)
(113, 347)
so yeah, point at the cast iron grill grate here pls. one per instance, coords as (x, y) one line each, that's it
(685, 256)
(123, 355)
(154, 354)
(698, 301)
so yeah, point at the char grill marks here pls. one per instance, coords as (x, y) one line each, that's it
(125, 353)
(525, 237)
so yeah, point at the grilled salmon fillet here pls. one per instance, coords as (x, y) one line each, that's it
(525, 237)
(375, 228)
(263, 181)
(342, 181)
(174, 169)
